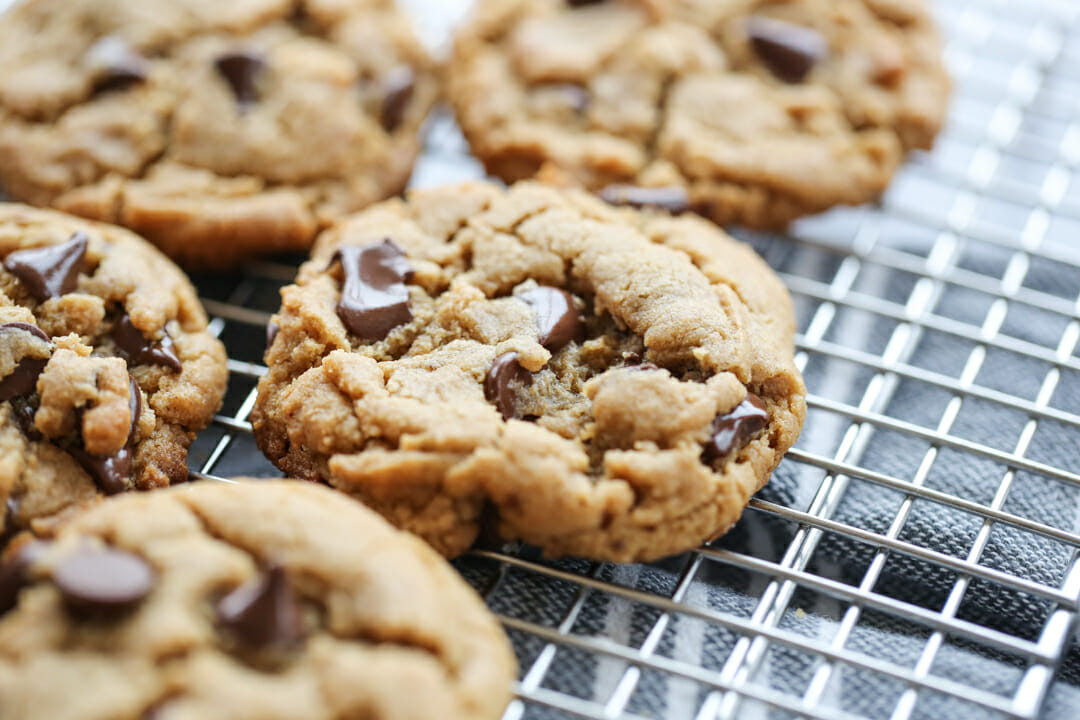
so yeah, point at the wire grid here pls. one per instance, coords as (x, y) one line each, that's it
(1003, 182)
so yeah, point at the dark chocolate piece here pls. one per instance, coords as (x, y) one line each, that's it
(264, 613)
(137, 350)
(103, 580)
(673, 199)
(116, 66)
(374, 298)
(22, 381)
(13, 573)
(790, 51)
(502, 379)
(112, 472)
(582, 3)
(398, 87)
(558, 319)
(735, 429)
(49, 271)
(241, 69)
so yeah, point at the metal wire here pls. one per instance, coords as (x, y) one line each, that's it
(1012, 62)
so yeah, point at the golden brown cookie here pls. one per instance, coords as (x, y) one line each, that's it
(748, 111)
(218, 130)
(256, 600)
(595, 381)
(106, 366)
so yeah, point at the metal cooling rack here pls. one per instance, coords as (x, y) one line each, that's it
(1005, 182)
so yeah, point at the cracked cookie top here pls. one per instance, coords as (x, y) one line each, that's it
(106, 366)
(218, 130)
(593, 380)
(749, 111)
(224, 601)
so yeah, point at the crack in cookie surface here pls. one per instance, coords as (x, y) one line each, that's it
(595, 438)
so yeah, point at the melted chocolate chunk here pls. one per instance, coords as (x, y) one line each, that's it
(502, 379)
(735, 429)
(49, 271)
(112, 472)
(557, 316)
(11, 518)
(241, 70)
(137, 350)
(398, 87)
(264, 613)
(24, 414)
(673, 199)
(582, 3)
(22, 381)
(13, 573)
(116, 66)
(789, 51)
(103, 580)
(374, 299)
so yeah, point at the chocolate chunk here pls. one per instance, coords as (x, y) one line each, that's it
(49, 271)
(557, 316)
(137, 350)
(11, 519)
(735, 429)
(241, 70)
(263, 613)
(582, 3)
(673, 199)
(116, 66)
(501, 382)
(272, 330)
(374, 299)
(790, 51)
(25, 327)
(103, 580)
(24, 414)
(13, 573)
(112, 472)
(398, 87)
(22, 381)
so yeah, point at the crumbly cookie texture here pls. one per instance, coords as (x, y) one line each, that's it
(106, 366)
(595, 381)
(755, 111)
(227, 601)
(218, 130)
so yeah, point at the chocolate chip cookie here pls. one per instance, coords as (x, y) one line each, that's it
(278, 600)
(754, 112)
(218, 130)
(106, 366)
(596, 381)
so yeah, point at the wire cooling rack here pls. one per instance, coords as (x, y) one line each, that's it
(922, 320)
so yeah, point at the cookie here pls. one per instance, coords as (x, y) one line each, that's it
(229, 601)
(217, 130)
(755, 112)
(595, 381)
(106, 365)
